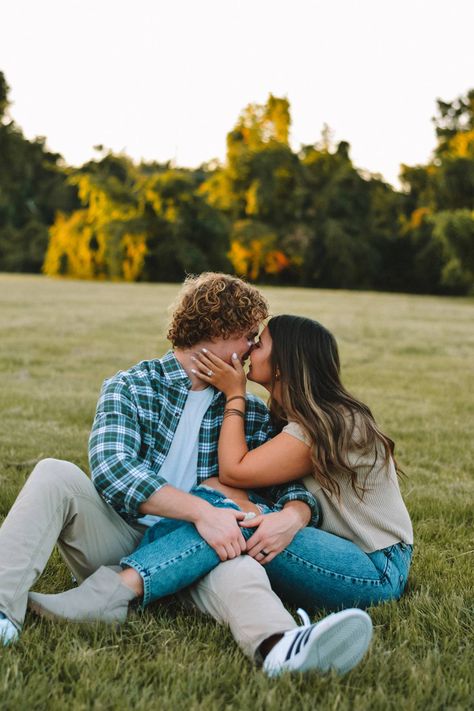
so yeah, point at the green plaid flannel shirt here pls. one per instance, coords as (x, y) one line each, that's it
(137, 415)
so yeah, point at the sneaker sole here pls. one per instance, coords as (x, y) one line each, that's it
(340, 644)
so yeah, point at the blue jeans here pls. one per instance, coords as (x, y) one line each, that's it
(316, 570)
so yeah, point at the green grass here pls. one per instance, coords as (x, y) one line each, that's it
(411, 358)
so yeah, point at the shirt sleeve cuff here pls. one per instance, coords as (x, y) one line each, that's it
(136, 497)
(307, 498)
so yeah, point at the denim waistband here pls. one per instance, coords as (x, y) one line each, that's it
(259, 500)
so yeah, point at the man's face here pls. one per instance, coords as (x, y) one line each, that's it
(241, 344)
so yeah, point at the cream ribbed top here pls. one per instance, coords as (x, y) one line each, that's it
(380, 519)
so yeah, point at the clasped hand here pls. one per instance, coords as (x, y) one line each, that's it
(274, 532)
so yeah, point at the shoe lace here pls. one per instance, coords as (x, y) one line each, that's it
(304, 617)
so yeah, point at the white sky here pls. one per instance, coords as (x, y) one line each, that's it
(166, 79)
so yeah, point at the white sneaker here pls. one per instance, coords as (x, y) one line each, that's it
(338, 642)
(8, 631)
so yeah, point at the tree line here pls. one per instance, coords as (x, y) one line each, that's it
(271, 214)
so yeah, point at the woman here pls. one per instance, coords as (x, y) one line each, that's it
(361, 553)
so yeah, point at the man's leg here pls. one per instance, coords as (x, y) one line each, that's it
(58, 504)
(238, 593)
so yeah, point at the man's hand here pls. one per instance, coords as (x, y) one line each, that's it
(220, 530)
(218, 527)
(274, 533)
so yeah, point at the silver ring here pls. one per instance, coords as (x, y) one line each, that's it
(209, 373)
(264, 553)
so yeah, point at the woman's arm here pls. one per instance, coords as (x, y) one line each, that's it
(282, 459)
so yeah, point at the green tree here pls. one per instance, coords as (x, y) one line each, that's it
(453, 118)
(259, 185)
(439, 202)
(337, 207)
(454, 231)
(269, 213)
(185, 233)
(105, 238)
(33, 187)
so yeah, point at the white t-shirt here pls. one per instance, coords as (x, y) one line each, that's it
(180, 465)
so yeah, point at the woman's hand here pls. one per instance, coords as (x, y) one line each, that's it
(274, 533)
(229, 379)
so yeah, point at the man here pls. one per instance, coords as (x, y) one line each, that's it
(154, 435)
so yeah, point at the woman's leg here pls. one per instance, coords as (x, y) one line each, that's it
(169, 564)
(172, 555)
(319, 569)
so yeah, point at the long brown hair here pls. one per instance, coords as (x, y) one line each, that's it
(305, 361)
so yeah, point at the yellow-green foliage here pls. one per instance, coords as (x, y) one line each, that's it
(461, 145)
(253, 250)
(134, 255)
(97, 241)
(271, 214)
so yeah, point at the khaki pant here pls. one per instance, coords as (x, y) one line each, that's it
(60, 505)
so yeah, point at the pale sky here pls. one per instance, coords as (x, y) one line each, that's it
(166, 79)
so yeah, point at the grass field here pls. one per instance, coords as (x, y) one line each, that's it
(411, 358)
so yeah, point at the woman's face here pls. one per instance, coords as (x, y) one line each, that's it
(260, 369)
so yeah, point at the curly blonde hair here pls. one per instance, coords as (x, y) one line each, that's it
(214, 305)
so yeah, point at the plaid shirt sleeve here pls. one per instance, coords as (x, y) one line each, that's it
(282, 494)
(121, 476)
(296, 491)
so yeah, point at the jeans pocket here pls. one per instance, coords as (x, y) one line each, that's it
(381, 561)
(402, 555)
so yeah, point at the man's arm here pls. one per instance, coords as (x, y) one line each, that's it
(118, 470)
(129, 484)
(289, 495)
(218, 527)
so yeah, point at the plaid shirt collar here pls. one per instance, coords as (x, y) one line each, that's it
(173, 370)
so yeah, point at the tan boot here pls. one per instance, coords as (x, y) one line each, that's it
(101, 597)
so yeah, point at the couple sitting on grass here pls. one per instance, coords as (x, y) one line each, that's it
(197, 488)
